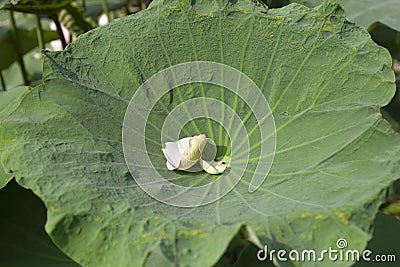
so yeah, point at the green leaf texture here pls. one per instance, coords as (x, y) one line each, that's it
(325, 81)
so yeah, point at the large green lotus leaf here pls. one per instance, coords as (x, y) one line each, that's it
(366, 12)
(23, 241)
(325, 81)
(9, 101)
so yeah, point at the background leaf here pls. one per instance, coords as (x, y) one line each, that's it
(325, 81)
(34, 6)
(26, 32)
(384, 241)
(23, 241)
(366, 12)
(94, 7)
(7, 48)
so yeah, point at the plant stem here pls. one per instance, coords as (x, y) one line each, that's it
(84, 5)
(105, 9)
(39, 32)
(3, 83)
(60, 31)
(17, 47)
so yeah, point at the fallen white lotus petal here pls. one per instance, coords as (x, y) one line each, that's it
(213, 167)
(185, 153)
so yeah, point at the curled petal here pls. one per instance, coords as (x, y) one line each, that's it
(213, 167)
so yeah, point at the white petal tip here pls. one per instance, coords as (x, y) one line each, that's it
(170, 167)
